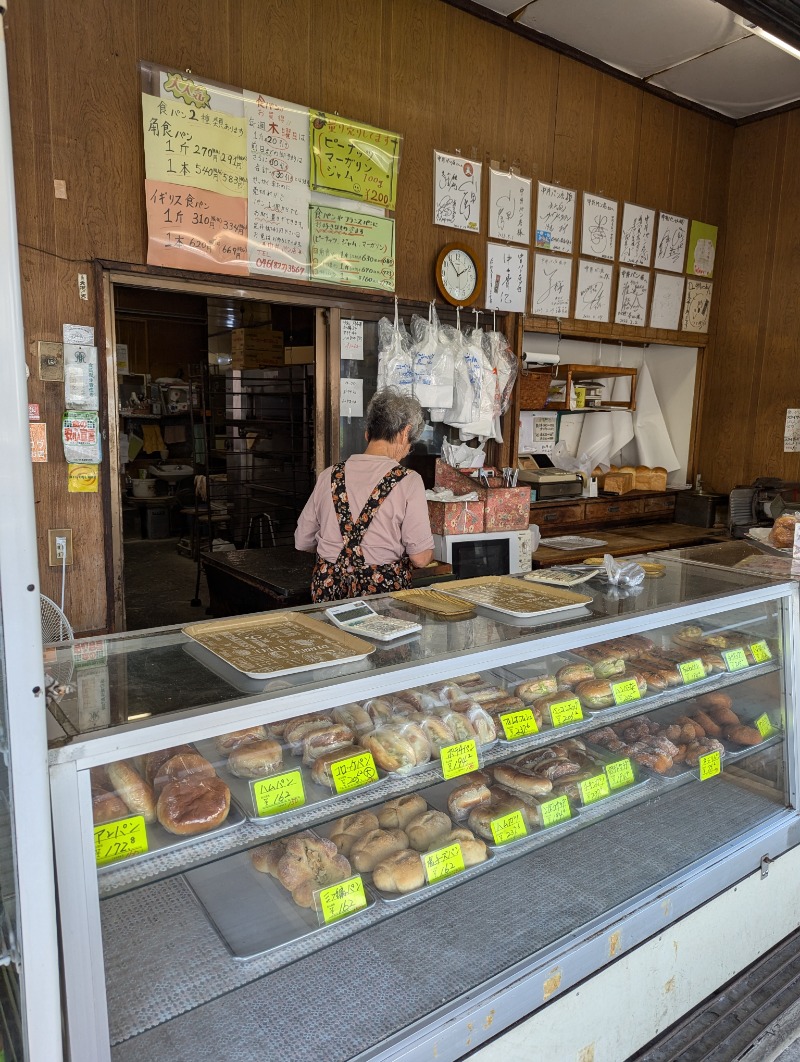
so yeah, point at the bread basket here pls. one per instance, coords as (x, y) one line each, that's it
(534, 388)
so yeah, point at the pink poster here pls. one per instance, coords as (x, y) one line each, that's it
(192, 228)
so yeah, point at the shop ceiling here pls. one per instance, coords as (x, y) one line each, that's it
(695, 50)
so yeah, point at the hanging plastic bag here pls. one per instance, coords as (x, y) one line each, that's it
(461, 411)
(433, 363)
(484, 386)
(395, 359)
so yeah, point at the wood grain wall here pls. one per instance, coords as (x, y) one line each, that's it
(438, 75)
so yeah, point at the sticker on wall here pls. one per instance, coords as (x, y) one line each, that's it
(509, 207)
(506, 278)
(82, 479)
(38, 430)
(593, 291)
(555, 218)
(81, 379)
(598, 226)
(702, 250)
(552, 285)
(632, 291)
(83, 335)
(671, 242)
(456, 192)
(636, 237)
(80, 432)
(697, 308)
(665, 309)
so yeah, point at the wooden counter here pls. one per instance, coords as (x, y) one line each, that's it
(626, 541)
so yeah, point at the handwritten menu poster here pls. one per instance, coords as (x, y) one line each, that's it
(279, 194)
(351, 340)
(509, 207)
(598, 226)
(352, 249)
(552, 284)
(232, 178)
(506, 278)
(671, 242)
(456, 192)
(354, 160)
(697, 307)
(636, 237)
(555, 218)
(702, 250)
(665, 310)
(632, 291)
(593, 291)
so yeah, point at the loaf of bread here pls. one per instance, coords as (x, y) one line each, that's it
(401, 872)
(397, 813)
(619, 482)
(651, 478)
(427, 829)
(128, 784)
(256, 760)
(193, 805)
(371, 848)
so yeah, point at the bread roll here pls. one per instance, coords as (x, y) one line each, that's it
(353, 716)
(519, 781)
(465, 797)
(266, 857)
(574, 673)
(347, 830)
(184, 765)
(106, 805)
(744, 735)
(153, 761)
(137, 795)
(310, 863)
(459, 725)
(420, 700)
(226, 742)
(595, 693)
(321, 771)
(397, 813)
(193, 805)
(389, 749)
(712, 729)
(414, 734)
(367, 851)
(400, 872)
(437, 732)
(782, 533)
(298, 729)
(315, 742)
(426, 829)
(378, 709)
(483, 724)
(534, 688)
(257, 760)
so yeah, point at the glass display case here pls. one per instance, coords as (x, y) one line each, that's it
(249, 863)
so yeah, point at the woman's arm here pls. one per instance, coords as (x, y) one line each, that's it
(416, 531)
(421, 560)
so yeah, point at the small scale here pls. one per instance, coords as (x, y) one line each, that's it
(357, 617)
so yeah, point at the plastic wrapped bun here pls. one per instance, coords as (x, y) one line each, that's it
(782, 534)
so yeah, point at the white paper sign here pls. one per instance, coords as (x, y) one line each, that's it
(456, 192)
(509, 207)
(81, 380)
(632, 291)
(351, 397)
(671, 242)
(697, 308)
(636, 238)
(506, 278)
(791, 432)
(83, 335)
(796, 544)
(121, 351)
(544, 433)
(552, 285)
(665, 310)
(593, 293)
(352, 340)
(598, 226)
(278, 188)
(555, 218)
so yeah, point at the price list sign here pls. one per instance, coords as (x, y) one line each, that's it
(735, 659)
(620, 774)
(761, 652)
(120, 839)
(555, 811)
(594, 789)
(459, 759)
(692, 671)
(566, 712)
(279, 792)
(339, 901)
(443, 863)
(519, 724)
(710, 765)
(626, 691)
(353, 772)
(508, 828)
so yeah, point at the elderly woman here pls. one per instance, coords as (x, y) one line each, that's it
(367, 519)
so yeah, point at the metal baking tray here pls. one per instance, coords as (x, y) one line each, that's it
(251, 911)
(514, 597)
(604, 757)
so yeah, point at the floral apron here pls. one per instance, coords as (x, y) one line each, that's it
(350, 575)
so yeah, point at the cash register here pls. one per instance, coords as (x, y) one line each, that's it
(546, 481)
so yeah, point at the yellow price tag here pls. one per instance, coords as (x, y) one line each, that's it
(278, 792)
(761, 652)
(459, 759)
(710, 764)
(620, 773)
(339, 901)
(594, 789)
(625, 691)
(566, 712)
(353, 772)
(692, 671)
(443, 863)
(519, 724)
(509, 828)
(735, 659)
(764, 726)
(120, 839)
(555, 811)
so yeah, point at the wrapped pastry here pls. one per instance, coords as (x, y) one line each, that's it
(353, 716)
(532, 689)
(572, 674)
(390, 750)
(334, 736)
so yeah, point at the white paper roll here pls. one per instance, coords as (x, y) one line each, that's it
(530, 357)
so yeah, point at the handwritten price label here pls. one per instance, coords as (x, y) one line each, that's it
(761, 652)
(566, 712)
(692, 671)
(594, 789)
(620, 773)
(519, 724)
(735, 659)
(120, 839)
(709, 765)
(443, 863)
(625, 691)
(764, 726)
(278, 792)
(555, 811)
(339, 901)
(459, 759)
(508, 828)
(354, 772)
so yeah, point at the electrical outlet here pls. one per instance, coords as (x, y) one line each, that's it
(59, 545)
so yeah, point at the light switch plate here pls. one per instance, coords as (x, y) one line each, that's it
(51, 359)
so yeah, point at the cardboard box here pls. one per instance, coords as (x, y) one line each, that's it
(256, 348)
(298, 356)
(456, 518)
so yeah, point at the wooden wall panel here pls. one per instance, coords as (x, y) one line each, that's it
(439, 76)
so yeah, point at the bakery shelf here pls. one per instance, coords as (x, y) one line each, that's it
(576, 374)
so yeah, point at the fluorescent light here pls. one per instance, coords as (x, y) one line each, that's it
(769, 37)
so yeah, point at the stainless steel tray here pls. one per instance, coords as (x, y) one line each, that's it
(252, 912)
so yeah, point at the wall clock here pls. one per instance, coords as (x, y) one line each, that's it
(459, 275)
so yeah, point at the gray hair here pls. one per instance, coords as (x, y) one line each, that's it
(390, 411)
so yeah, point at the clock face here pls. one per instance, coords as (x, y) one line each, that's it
(459, 275)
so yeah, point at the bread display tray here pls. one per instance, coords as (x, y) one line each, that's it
(267, 645)
(161, 840)
(515, 597)
(251, 911)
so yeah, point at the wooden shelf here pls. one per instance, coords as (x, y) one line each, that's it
(573, 374)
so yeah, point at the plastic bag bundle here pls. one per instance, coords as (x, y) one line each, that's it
(484, 388)
(395, 356)
(624, 573)
(505, 363)
(461, 411)
(433, 363)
